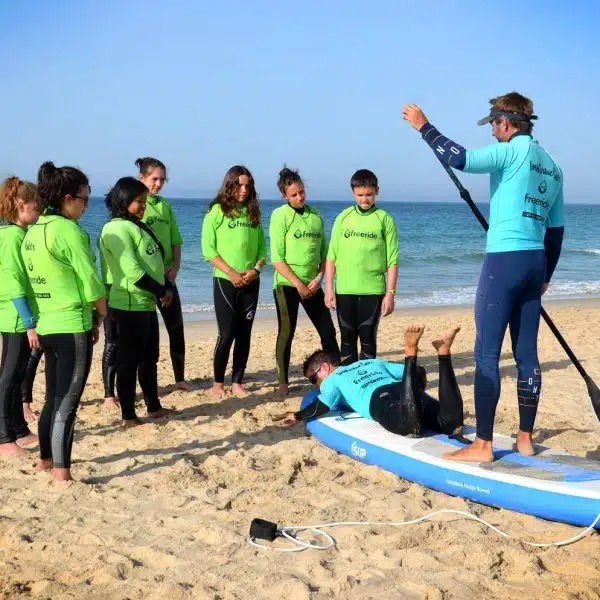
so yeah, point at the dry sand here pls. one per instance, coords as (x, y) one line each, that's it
(163, 510)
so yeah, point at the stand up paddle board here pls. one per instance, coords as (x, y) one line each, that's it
(552, 485)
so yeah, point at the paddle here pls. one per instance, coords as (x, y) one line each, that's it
(593, 390)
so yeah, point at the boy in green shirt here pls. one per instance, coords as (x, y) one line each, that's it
(363, 249)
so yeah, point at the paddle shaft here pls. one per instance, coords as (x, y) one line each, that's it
(466, 196)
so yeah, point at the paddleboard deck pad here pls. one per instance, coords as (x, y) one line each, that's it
(552, 485)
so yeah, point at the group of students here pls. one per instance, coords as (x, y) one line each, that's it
(54, 300)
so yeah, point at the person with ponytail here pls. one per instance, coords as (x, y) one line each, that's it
(233, 241)
(133, 256)
(160, 216)
(18, 210)
(71, 304)
(298, 253)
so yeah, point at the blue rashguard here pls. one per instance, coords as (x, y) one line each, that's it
(351, 387)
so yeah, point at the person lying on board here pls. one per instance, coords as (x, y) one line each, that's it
(392, 394)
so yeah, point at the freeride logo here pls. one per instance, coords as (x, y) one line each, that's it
(151, 249)
(350, 233)
(237, 223)
(298, 234)
(152, 220)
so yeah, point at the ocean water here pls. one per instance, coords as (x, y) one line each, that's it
(441, 252)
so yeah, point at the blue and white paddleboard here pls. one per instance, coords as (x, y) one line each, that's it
(552, 485)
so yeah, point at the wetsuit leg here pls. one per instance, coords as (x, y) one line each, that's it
(72, 358)
(500, 297)
(445, 416)
(398, 407)
(245, 311)
(173, 318)
(15, 353)
(224, 299)
(320, 317)
(347, 313)
(109, 355)
(524, 326)
(148, 368)
(369, 313)
(32, 364)
(287, 300)
(132, 331)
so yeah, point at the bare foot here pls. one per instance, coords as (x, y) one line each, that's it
(283, 389)
(30, 414)
(110, 402)
(161, 412)
(131, 422)
(184, 386)
(28, 440)
(44, 464)
(412, 335)
(218, 390)
(444, 342)
(239, 391)
(12, 449)
(479, 451)
(524, 444)
(61, 475)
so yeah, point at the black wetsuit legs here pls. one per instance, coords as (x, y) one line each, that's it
(110, 354)
(173, 317)
(358, 318)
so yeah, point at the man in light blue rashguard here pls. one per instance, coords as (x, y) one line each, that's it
(392, 394)
(524, 241)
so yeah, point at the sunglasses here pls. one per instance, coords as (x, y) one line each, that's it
(313, 376)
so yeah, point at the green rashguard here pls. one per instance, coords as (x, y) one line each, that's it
(127, 254)
(363, 246)
(15, 283)
(299, 240)
(240, 243)
(160, 216)
(58, 256)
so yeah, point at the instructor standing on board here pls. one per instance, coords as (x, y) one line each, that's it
(523, 246)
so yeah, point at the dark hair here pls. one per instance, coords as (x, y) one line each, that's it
(288, 177)
(54, 183)
(515, 102)
(226, 196)
(147, 163)
(121, 195)
(318, 358)
(364, 178)
(11, 190)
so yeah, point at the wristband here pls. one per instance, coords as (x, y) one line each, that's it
(319, 278)
(257, 267)
(393, 292)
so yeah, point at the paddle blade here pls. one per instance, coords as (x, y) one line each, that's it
(594, 393)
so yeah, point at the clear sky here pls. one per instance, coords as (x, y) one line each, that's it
(318, 84)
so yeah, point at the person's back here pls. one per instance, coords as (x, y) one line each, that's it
(353, 385)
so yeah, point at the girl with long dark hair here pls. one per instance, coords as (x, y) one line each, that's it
(234, 242)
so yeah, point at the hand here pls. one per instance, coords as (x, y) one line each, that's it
(166, 300)
(30, 414)
(33, 339)
(288, 418)
(171, 273)
(330, 299)
(303, 291)
(236, 278)
(388, 305)
(314, 286)
(545, 288)
(414, 115)
(95, 334)
(248, 276)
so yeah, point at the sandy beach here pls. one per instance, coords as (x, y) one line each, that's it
(163, 510)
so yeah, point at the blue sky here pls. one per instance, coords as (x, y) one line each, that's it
(317, 84)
